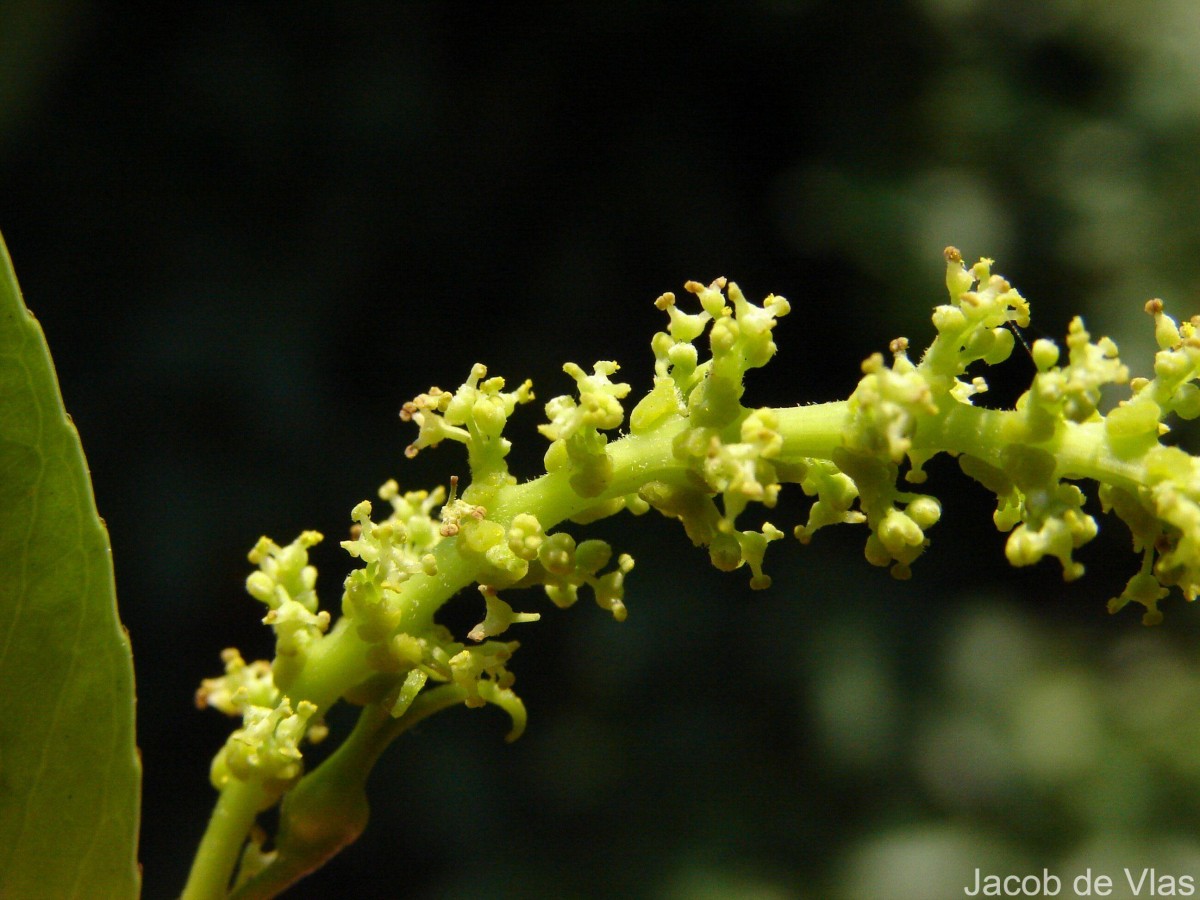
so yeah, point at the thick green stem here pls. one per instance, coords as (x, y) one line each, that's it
(328, 809)
(231, 821)
(1081, 450)
(814, 431)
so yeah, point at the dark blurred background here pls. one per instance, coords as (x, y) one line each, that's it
(252, 231)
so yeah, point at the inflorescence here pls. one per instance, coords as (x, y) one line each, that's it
(693, 451)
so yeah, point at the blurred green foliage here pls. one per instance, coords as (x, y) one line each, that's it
(252, 231)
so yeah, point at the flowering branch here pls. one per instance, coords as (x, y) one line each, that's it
(695, 453)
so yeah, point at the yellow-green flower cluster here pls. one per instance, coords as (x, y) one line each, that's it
(1058, 433)
(731, 452)
(474, 415)
(1163, 510)
(575, 427)
(695, 452)
(836, 495)
(392, 551)
(266, 748)
(376, 605)
(286, 583)
(243, 685)
(562, 567)
(707, 393)
(408, 663)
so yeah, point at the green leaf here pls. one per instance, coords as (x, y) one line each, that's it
(70, 778)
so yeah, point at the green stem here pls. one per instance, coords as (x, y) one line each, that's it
(231, 821)
(328, 810)
(814, 431)
(1081, 450)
